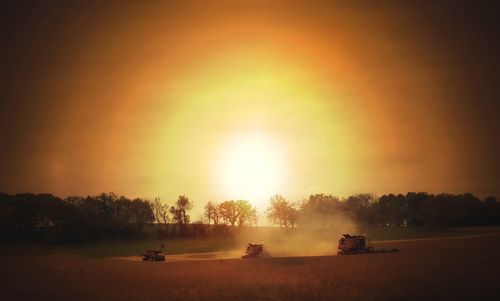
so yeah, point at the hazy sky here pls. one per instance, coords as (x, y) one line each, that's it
(302, 97)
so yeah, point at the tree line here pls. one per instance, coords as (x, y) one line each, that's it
(77, 219)
(109, 216)
(410, 210)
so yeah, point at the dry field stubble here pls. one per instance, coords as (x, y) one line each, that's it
(448, 269)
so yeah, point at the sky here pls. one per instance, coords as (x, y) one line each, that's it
(226, 100)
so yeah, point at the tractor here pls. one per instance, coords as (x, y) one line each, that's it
(154, 255)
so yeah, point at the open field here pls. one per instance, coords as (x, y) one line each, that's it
(182, 245)
(461, 268)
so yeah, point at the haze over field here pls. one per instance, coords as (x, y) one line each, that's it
(246, 99)
(449, 269)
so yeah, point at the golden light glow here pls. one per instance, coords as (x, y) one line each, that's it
(252, 126)
(221, 101)
(251, 167)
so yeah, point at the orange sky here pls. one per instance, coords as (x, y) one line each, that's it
(149, 99)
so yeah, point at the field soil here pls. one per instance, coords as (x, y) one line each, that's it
(459, 268)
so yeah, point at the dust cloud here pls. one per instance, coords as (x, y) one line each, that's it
(315, 236)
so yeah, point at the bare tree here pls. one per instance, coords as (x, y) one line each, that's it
(161, 213)
(211, 213)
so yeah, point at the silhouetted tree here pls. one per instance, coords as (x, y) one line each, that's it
(142, 213)
(492, 211)
(247, 214)
(161, 214)
(415, 203)
(391, 210)
(179, 212)
(211, 213)
(239, 212)
(228, 211)
(361, 208)
(282, 212)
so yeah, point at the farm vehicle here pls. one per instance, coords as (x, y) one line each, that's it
(356, 244)
(255, 250)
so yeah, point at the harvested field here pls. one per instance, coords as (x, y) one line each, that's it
(465, 268)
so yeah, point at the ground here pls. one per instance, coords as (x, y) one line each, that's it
(453, 268)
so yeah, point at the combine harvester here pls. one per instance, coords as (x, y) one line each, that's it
(356, 244)
(255, 251)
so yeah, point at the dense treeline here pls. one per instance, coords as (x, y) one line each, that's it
(77, 219)
(412, 209)
(73, 219)
(109, 216)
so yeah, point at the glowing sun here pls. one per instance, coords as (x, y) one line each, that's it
(251, 167)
